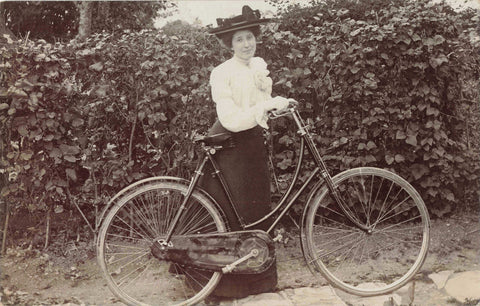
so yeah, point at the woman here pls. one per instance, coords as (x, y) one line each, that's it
(241, 90)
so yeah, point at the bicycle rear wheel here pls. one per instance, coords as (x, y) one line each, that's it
(374, 261)
(136, 220)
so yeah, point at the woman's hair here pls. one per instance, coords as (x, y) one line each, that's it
(227, 37)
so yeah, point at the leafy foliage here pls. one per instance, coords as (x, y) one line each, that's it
(391, 78)
(52, 20)
(384, 84)
(41, 19)
(85, 119)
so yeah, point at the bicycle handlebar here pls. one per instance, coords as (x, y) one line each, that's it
(292, 105)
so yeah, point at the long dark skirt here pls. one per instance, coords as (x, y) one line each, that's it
(246, 171)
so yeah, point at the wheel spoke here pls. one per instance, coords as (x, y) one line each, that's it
(138, 217)
(388, 252)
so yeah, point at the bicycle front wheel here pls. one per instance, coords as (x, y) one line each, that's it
(376, 260)
(137, 219)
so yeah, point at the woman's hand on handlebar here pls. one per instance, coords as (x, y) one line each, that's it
(291, 104)
(277, 103)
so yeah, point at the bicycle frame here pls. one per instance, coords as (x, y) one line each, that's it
(283, 206)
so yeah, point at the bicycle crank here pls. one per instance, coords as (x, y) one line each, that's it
(243, 252)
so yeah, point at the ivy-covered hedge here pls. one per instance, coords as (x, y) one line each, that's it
(398, 80)
(84, 120)
(80, 121)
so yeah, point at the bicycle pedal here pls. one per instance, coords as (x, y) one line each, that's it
(229, 268)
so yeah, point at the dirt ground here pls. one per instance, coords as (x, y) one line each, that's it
(44, 277)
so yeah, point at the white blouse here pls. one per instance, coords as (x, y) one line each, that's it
(239, 89)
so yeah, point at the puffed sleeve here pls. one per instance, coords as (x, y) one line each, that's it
(231, 116)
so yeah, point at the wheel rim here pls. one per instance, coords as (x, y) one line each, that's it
(134, 223)
(386, 256)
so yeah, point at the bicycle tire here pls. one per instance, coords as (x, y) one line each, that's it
(132, 186)
(135, 221)
(373, 262)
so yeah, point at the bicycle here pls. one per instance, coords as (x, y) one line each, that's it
(165, 241)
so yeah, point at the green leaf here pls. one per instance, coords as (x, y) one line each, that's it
(426, 141)
(70, 158)
(285, 140)
(400, 135)
(58, 209)
(432, 111)
(440, 151)
(448, 194)
(49, 137)
(17, 92)
(162, 117)
(55, 153)
(399, 158)
(101, 91)
(77, 122)
(141, 115)
(98, 66)
(371, 145)
(389, 159)
(435, 124)
(370, 159)
(355, 32)
(354, 69)
(50, 123)
(459, 159)
(27, 155)
(370, 83)
(7, 37)
(419, 170)
(411, 140)
(284, 164)
(71, 174)
(416, 37)
(69, 150)
(437, 61)
(436, 40)
(147, 65)
(40, 57)
(22, 130)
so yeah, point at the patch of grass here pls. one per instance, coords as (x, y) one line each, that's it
(467, 302)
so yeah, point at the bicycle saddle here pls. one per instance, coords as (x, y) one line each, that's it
(215, 139)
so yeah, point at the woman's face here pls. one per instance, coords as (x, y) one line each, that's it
(244, 44)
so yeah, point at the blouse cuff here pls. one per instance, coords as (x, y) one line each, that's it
(260, 115)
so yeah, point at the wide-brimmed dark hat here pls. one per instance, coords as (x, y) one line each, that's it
(249, 18)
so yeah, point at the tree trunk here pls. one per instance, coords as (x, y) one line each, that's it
(85, 22)
(3, 27)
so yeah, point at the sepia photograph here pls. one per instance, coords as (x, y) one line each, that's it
(248, 153)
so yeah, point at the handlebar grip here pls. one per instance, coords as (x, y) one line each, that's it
(272, 114)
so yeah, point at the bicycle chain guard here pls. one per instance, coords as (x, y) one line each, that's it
(213, 252)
